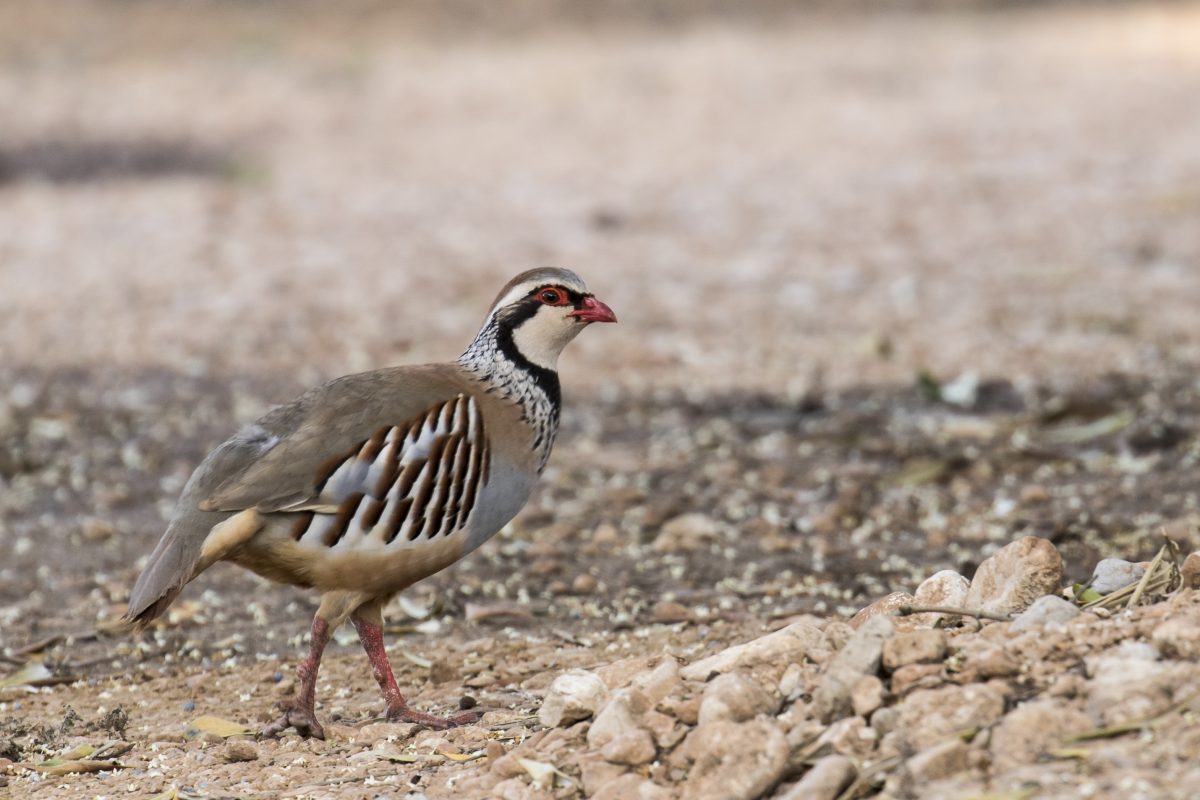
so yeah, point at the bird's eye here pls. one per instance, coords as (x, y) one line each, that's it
(551, 297)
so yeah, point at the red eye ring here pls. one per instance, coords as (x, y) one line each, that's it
(553, 297)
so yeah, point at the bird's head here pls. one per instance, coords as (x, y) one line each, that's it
(541, 310)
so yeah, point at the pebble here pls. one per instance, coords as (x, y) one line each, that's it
(883, 607)
(825, 781)
(1178, 638)
(867, 695)
(861, 656)
(929, 715)
(1189, 573)
(936, 762)
(1112, 574)
(733, 760)
(944, 588)
(619, 716)
(573, 696)
(1033, 729)
(1048, 610)
(686, 532)
(631, 748)
(782, 647)
(1016, 575)
(735, 697)
(914, 647)
(237, 750)
(584, 584)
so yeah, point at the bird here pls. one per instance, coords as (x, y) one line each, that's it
(371, 482)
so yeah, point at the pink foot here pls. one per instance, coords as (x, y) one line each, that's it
(304, 720)
(432, 721)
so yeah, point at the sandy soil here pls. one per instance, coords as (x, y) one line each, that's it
(795, 217)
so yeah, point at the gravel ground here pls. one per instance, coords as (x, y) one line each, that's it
(894, 290)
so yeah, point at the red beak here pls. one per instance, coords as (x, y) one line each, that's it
(593, 311)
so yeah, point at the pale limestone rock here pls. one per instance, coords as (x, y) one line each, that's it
(1050, 610)
(575, 695)
(914, 647)
(736, 697)
(781, 647)
(1015, 576)
(861, 656)
(825, 781)
(883, 607)
(733, 761)
(618, 716)
(631, 748)
(929, 715)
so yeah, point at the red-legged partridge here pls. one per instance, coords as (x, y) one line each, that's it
(366, 485)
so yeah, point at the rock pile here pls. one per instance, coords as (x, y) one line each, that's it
(887, 706)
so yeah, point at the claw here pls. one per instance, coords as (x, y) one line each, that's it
(433, 721)
(302, 719)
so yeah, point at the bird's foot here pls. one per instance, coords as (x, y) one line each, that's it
(295, 715)
(403, 713)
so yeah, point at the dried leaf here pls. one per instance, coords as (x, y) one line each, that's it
(57, 766)
(34, 673)
(1081, 434)
(423, 663)
(543, 774)
(216, 726)
(412, 608)
(400, 758)
(78, 752)
(460, 757)
(169, 794)
(476, 612)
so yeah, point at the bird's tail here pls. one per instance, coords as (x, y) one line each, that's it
(189, 546)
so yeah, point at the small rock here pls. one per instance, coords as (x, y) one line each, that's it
(914, 647)
(944, 588)
(792, 682)
(659, 682)
(686, 532)
(665, 730)
(237, 750)
(733, 761)
(735, 697)
(782, 647)
(631, 787)
(849, 737)
(883, 607)
(929, 715)
(1018, 574)
(825, 781)
(595, 772)
(573, 696)
(1048, 610)
(884, 720)
(983, 660)
(1032, 729)
(866, 695)
(1112, 574)
(619, 716)
(97, 530)
(1178, 638)
(667, 612)
(584, 584)
(1189, 573)
(916, 676)
(386, 731)
(630, 748)
(937, 761)
(861, 656)
(1128, 682)
(512, 789)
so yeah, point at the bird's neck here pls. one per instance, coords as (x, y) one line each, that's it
(494, 359)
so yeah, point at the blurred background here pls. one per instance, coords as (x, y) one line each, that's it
(897, 281)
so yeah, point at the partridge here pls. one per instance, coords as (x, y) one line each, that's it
(371, 482)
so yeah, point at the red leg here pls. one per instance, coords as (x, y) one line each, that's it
(371, 636)
(299, 712)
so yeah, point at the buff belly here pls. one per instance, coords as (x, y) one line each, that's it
(365, 567)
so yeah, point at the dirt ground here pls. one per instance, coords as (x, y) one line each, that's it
(894, 289)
